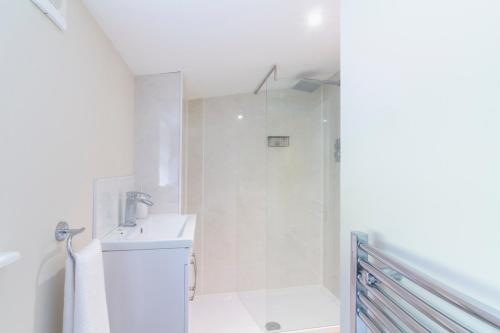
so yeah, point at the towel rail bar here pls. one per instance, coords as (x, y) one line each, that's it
(378, 311)
(445, 322)
(432, 287)
(405, 317)
(369, 323)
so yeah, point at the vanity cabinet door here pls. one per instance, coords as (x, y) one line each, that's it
(147, 290)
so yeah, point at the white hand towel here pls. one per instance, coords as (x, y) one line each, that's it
(85, 307)
(69, 296)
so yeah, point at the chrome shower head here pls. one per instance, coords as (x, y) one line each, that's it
(307, 85)
(311, 85)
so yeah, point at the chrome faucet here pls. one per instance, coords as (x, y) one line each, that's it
(133, 198)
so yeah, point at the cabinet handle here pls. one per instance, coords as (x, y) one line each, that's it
(195, 270)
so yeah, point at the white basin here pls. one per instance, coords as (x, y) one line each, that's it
(158, 231)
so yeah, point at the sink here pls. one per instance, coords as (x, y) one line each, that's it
(146, 270)
(157, 231)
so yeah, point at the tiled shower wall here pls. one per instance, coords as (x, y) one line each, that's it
(260, 212)
(157, 141)
(225, 177)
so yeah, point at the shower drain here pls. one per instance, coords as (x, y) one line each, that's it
(273, 326)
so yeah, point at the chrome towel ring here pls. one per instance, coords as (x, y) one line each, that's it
(64, 232)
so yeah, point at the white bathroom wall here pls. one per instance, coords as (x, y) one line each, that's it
(225, 186)
(158, 123)
(421, 135)
(66, 117)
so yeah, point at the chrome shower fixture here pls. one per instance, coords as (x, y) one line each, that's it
(310, 85)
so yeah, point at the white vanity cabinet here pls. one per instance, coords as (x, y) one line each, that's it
(147, 275)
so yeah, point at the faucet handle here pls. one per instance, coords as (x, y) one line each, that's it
(145, 198)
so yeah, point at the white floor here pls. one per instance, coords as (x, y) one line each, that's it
(220, 313)
(296, 308)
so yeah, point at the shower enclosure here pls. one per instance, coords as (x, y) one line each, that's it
(300, 265)
(263, 177)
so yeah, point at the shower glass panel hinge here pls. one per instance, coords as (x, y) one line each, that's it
(337, 150)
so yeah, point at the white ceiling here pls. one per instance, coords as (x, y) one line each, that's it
(223, 46)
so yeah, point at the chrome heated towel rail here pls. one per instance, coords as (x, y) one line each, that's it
(388, 296)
